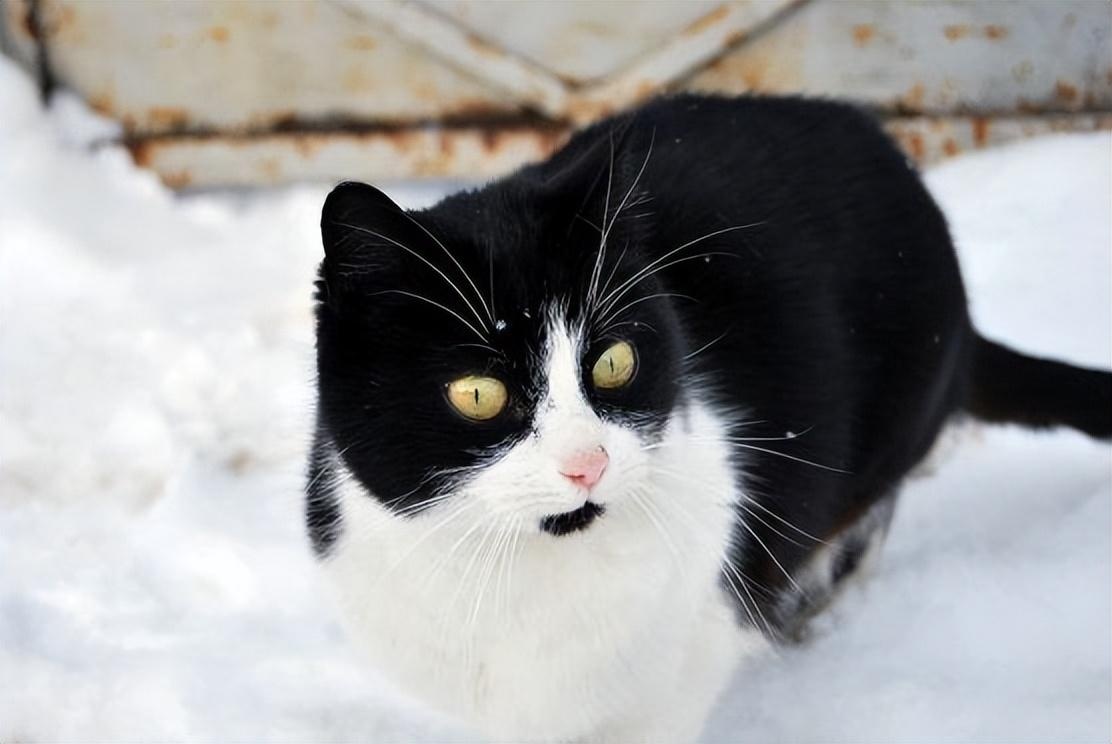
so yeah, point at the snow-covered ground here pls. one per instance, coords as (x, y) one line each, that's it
(155, 380)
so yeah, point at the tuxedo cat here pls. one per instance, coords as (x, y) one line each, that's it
(593, 433)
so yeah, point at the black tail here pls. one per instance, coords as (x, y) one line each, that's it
(1010, 387)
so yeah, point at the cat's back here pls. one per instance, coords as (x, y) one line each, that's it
(777, 144)
(819, 181)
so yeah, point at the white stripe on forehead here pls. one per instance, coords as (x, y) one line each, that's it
(561, 364)
(565, 420)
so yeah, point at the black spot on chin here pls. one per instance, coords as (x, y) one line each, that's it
(573, 521)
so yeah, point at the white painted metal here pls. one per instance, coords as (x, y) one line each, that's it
(932, 57)
(330, 88)
(580, 42)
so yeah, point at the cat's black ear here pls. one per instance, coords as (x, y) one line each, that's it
(363, 232)
(355, 215)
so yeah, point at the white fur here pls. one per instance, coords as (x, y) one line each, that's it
(619, 632)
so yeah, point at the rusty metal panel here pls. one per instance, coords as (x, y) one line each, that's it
(931, 139)
(254, 91)
(16, 35)
(481, 153)
(463, 152)
(251, 65)
(932, 57)
(579, 42)
(547, 89)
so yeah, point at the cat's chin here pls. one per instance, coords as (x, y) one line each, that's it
(572, 521)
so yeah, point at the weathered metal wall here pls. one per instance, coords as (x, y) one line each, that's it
(254, 91)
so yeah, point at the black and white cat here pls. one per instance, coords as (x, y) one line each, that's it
(592, 434)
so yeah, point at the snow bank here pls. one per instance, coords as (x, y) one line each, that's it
(155, 382)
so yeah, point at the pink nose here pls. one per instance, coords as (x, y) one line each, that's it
(585, 468)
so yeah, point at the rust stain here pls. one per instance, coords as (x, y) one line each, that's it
(754, 73)
(176, 180)
(447, 147)
(863, 33)
(643, 90)
(752, 78)
(167, 117)
(219, 34)
(995, 32)
(61, 22)
(475, 108)
(270, 168)
(355, 80)
(481, 47)
(913, 99)
(915, 145)
(63, 17)
(427, 91)
(401, 139)
(140, 151)
(267, 19)
(955, 32)
(283, 120)
(490, 139)
(584, 110)
(710, 19)
(103, 103)
(950, 147)
(1063, 91)
(26, 21)
(361, 42)
(980, 131)
(735, 38)
(307, 145)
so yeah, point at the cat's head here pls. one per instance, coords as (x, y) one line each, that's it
(508, 351)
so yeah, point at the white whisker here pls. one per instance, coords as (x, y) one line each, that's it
(602, 235)
(606, 306)
(772, 555)
(774, 515)
(744, 585)
(704, 347)
(427, 262)
(478, 294)
(674, 251)
(448, 310)
(760, 519)
(790, 457)
(613, 220)
(639, 300)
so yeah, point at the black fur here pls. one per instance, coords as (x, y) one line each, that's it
(573, 521)
(1009, 386)
(823, 298)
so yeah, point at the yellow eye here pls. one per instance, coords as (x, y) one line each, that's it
(477, 398)
(615, 367)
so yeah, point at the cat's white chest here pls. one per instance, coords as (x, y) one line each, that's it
(552, 637)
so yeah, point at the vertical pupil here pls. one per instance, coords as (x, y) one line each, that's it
(476, 397)
(610, 361)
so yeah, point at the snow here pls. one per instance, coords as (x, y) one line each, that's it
(155, 388)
